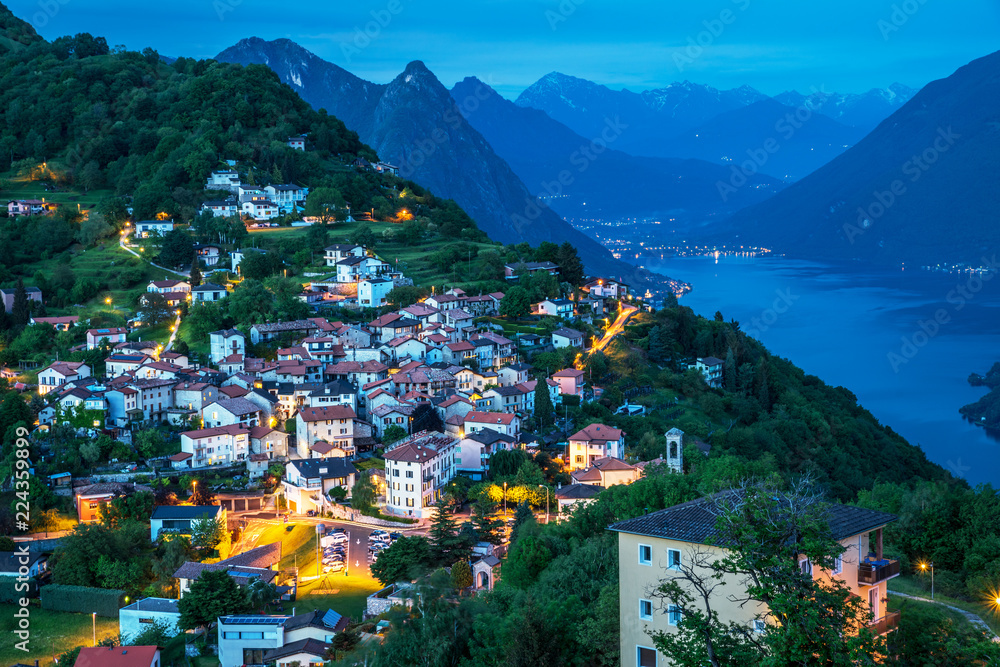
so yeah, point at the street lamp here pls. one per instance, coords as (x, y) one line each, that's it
(93, 616)
(924, 566)
(505, 498)
(194, 489)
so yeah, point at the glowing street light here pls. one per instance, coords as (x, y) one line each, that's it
(924, 566)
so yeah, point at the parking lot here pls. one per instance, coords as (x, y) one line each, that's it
(351, 548)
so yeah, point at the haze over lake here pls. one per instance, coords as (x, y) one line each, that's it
(849, 326)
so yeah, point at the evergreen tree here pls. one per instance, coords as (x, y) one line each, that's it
(461, 575)
(543, 404)
(21, 312)
(570, 266)
(522, 517)
(729, 371)
(195, 278)
(484, 518)
(443, 533)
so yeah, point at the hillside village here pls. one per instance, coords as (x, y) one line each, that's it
(327, 421)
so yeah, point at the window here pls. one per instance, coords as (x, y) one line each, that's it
(645, 657)
(759, 626)
(409, 502)
(673, 615)
(395, 472)
(673, 559)
(806, 567)
(145, 620)
(838, 565)
(645, 554)
(409, 487)
(409, 473)
(646, 610)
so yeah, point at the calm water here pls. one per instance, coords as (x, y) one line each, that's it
(862, 329)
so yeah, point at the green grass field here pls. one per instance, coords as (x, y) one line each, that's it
(914, 586)
(17, 187)
(52, 633)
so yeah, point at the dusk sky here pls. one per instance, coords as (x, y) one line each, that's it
(844, 45)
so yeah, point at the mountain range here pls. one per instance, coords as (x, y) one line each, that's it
(689, 120)
(920, 189)
(413, 123)
(584, 178)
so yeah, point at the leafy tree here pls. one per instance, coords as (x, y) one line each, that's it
(157, 633)
(133, 507)
(94, 228)
(402, 296)
(261, 593)
(250, 302)
(212, 594)
(208, 533)
(364, 237)
(544, 410)
(522, 517)
(527, 558)
(505, 463)
(407, 559)
(392, 434)
(515, 303)
(203, 495)
(260, 265)
(363, 494)
(810, 621)
(461, 575)
(148, 442)
(176, 249)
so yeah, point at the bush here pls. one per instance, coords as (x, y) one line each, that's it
(10, 593)
(103, 601)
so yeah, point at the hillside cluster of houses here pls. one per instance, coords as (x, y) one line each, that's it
(336, 388)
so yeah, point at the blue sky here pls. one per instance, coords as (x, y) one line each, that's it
(772, 45)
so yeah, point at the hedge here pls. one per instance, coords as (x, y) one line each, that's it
(8, 592)
(104, 601)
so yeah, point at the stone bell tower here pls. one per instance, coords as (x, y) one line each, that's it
(675, 450)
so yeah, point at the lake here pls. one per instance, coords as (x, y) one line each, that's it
(903, 341)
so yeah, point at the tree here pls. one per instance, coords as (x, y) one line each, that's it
(155, 308)
(522, 517)
(203, 495)
(363, 494)
(461, 575)
(260, 265)
(443, 534)
(526, 560)
(261, 593)
(394, 433)
(364, 237)
(21, 311)
(426, 418)
(570, 266)
(515, 303)
(155, 634)
(213, 594)
(660, 344)
(148, 442)
(176, 249)
(93, 228)
(195, 277)
(407, 559)
(207, 533)
(323, 203)
(766, 531)
(133, 507)
(505, 463)
(484, 517)
(544, 410)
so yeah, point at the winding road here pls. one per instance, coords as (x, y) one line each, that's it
(616, 328)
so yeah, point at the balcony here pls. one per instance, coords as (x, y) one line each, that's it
(887, 623)
(875, 572)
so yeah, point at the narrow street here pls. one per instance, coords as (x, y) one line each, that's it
(616, 328)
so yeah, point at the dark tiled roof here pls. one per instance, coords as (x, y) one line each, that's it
(310, 646)
(578, 491)
(694, 522)
(336, 466)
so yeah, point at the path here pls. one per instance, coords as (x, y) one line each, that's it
(121, 242)
(969, 616)
(616, 328)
